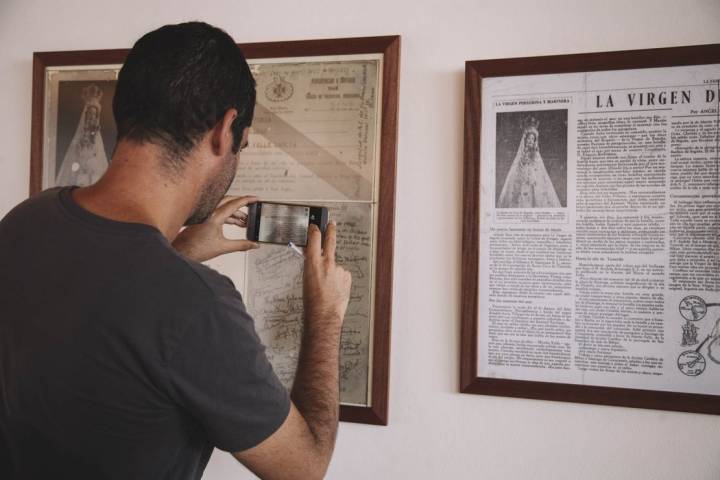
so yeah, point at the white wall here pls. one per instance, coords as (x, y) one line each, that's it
(434, 431)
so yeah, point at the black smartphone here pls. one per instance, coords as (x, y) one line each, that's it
(282, 223)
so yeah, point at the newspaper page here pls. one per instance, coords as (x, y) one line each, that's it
(600, 229)
(315, 141)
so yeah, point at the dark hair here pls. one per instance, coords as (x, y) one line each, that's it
(177, 83)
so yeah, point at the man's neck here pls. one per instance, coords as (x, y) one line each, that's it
(137, 188)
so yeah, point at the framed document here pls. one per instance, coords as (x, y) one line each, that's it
(324, 133)
(591, 226)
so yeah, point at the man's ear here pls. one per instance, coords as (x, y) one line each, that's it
(222, 135)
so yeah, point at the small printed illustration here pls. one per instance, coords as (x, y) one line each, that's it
(84, 118)
(531, 159)
(692, 362)
(693, 308)
(279, 90)
(689, 336)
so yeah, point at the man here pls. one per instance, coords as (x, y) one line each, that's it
(121, 356)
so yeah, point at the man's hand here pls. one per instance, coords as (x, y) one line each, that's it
(326, 286)
(206, 240)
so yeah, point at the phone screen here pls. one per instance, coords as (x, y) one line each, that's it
(284, 223)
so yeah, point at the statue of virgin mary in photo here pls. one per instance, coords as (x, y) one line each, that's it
(528, 184)
(85, 160)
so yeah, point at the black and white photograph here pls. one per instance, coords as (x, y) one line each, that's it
(86, 131)
(531, 159)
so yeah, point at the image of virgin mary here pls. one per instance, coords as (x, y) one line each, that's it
(85, 160)
(528, 184)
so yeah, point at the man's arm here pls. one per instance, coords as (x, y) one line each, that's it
(302, 447)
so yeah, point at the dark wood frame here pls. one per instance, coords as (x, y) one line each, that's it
(475, 71)
(389, 46)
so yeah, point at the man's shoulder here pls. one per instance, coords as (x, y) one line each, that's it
(31, 206)
(40, 199)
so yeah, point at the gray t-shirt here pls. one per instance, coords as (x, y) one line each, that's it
(119, 357)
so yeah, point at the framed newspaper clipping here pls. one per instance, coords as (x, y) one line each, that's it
(591, 229)
(324, 133)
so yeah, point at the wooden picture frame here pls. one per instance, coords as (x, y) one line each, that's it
(42, 61)
(477, 73)
(389, 46)
(376, 412)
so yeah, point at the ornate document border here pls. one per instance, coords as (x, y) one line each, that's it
(479, 214)
(77, 64)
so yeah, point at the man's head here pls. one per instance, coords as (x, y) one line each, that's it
(179, 83)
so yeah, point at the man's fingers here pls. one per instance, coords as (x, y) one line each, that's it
(330, 242)
(347, 277)
(240, 245)
(236, 221)
(227, 208)
(237, 218)
(313, 249)
(225, 199)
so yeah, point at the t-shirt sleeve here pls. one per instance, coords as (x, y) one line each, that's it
(220, 374)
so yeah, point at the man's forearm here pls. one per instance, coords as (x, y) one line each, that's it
(326, 293)
(302, 447)
(316, 388)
